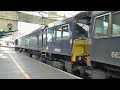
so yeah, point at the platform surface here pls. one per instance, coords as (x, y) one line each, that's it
(15, 65)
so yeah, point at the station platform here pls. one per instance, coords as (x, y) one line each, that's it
(14, 65)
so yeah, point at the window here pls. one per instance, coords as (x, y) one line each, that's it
(40, 36)
(101, 26)
(80, 32)
(116, 24)
(27, 40)
(44, 34)
(35, 40)
(50, 34)
(58, 32)
(65, 32)
(31, 40)
(23, 41)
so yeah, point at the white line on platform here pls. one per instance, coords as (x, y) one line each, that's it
(21, 69)
(56, 68)
(61, 71)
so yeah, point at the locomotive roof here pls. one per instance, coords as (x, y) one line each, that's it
(80, 16)
(83, 18)
(83, 15)
(60, 22)
(28, 33)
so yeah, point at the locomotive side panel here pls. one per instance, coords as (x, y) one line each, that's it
(105, 45)
(60, 40)
(33, 42)
(40, 41)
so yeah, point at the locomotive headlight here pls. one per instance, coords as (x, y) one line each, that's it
(79, 58)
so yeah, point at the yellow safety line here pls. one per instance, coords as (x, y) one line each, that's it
(21, 69)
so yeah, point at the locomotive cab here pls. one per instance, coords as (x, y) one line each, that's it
(80, 49)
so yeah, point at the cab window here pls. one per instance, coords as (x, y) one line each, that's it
(58, 32)
(50, 34)
(101, 26)
(81, 33)
(65, 32)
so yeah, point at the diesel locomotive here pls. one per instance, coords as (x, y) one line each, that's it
(63, 44)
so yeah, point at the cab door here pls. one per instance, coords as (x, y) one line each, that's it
(100, 39)
(44, 39)
(105, 39)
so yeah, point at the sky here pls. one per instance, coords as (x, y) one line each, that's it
(27, 27)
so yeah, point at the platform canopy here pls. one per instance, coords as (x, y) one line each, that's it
(9, 19)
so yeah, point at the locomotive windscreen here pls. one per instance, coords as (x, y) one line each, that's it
(81, 32)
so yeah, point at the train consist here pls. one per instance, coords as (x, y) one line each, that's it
(63, 44)
(67, 44)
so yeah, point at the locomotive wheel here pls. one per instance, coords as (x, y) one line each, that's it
(82, 72)
(30, 55)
